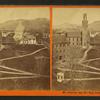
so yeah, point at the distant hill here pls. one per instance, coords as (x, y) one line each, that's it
(36, 25)
(95, 26)
(66, 27)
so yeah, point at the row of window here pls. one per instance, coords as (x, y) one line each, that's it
(60, 57)
(71, 41)
(60, 50)
(64, 45)
(74, 39)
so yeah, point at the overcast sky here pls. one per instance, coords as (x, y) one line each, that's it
(74, 15)
(23, 13)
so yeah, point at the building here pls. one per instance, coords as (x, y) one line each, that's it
(28, 39)
(6, 37)
(59, 46)
(67, 44)
(8, 40)
(22, 36)
(46, 35)
(74, 37)
(46, 38)
(85, 31)
(63, 42)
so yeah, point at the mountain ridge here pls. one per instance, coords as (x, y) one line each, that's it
(34, 25)
(94, 26)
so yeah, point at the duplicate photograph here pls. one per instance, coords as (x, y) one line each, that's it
(76, 49)
(24, 48)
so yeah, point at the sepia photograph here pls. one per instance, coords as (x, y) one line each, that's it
(24, 48)
(76, 49)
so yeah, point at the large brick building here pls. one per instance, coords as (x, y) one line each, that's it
(59, 46)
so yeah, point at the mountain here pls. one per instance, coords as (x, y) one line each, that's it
(9, 25)
(95, 26)
(66, 27)
(36, 25)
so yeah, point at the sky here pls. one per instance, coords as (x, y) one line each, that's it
(23, 13)
(74, 15)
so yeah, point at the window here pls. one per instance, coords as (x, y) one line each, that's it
(77, 39)
(66, 34)
(60, 45)
(60, 57)
(73, 39)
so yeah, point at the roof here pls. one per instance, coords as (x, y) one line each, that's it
(70, 32)
(59, 38)
(74, 34)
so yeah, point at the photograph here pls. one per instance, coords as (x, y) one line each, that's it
(76, 49)
(24, 48)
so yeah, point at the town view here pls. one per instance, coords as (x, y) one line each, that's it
(76, 49)
(24, 49)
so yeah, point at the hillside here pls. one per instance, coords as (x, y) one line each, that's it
(95, 26)
(66, 27)
(36, 25)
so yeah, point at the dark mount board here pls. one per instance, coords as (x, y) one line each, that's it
(48, 98)
(50, 2)
(75, 2)
(25, 2)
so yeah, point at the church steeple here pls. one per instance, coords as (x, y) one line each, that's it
(85, 32)
(85, 21)
(19, 31)
(85, 16)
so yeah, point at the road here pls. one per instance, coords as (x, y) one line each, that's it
(9, 73)
(20, 71)
(81, 76)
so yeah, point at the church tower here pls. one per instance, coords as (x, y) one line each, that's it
(19, 31)
(85, 32)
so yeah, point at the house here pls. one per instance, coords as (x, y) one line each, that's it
(8, 40)
(28, 39)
